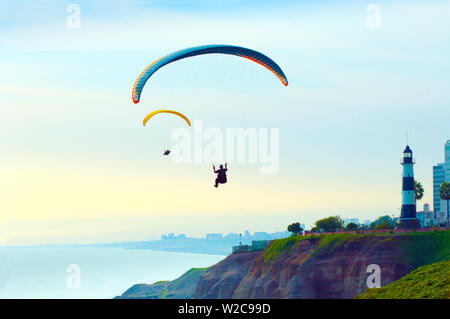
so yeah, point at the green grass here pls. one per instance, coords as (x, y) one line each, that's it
(330, 241)
(426, 282)
(427, 247)
(196, 269)
(416, 245)
(188, 275)
(279, 246)
(160, 282)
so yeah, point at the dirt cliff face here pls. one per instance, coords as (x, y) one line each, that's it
(333, 266)
(329, 266)
(180, 288)
(222, 280)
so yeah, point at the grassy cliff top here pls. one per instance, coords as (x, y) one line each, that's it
(426, 282)
(415, 244)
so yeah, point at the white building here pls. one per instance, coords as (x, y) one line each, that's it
(351, 220)
(426, 217)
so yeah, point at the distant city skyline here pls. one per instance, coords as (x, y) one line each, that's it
(232, 235)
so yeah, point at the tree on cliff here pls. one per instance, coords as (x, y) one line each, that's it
(385, 220)
(330, 224)
(418, 190)
(295, 228)
(351, 226)
(444, 193)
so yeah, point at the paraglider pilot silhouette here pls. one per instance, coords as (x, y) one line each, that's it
(221, 175)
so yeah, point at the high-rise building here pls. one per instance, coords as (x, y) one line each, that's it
(438, 179)
(408, 218)
(447, 174)
(441, 173)
(447, 160)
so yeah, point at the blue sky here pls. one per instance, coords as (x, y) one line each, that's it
(70, 128)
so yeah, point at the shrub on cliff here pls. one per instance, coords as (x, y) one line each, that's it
(351, 226)
(315, 230)
(384, 225)
(386, 219)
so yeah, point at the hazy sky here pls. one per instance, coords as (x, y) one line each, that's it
(76, 165)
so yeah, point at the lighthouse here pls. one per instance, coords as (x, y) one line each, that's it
(408, 218)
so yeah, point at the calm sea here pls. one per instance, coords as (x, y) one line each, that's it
(88, 272)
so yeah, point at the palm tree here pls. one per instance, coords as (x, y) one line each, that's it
(418, 191)
(444, 193)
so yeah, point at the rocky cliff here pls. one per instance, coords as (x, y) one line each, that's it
(180, 288)
(327, 266)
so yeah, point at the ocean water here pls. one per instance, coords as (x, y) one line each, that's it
(88, 272)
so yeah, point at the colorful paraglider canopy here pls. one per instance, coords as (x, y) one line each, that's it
(150, 115)
(255, 56)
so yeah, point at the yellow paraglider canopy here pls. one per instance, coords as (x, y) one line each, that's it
(150, 115)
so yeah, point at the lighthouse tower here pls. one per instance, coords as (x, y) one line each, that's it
(408, 218)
